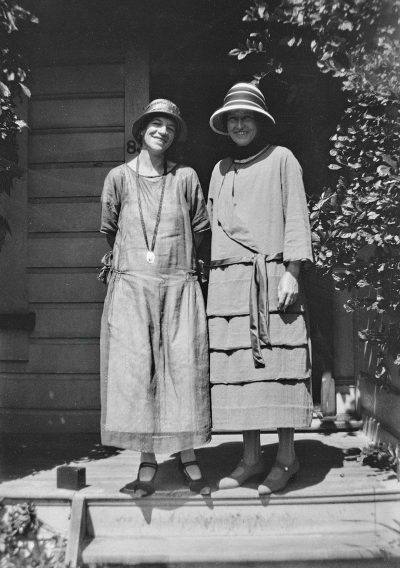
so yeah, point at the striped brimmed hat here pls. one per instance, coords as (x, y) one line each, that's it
(242, 96)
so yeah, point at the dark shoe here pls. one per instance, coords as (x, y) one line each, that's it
(196, 485)
(140, 488)
(278, 477)
(242, 473)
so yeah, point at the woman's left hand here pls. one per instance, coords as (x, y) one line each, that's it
(288, 288)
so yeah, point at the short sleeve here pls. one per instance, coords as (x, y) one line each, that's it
(217, 176)
(211, 194)
(297, 232)
(198, 210)
(111, 203)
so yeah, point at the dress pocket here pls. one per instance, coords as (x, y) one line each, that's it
(111, 293)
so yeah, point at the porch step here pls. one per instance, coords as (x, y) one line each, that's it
(336, 513)
(347, 551)
(178, 531)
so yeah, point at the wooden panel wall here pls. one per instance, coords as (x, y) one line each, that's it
(78, 118)
(14, 344)
(380, 407)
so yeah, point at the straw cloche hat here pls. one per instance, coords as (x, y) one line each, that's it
(165, 108)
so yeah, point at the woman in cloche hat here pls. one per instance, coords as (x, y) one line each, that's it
(259, 344)
(154, 348)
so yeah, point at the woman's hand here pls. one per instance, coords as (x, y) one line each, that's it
(288, 288)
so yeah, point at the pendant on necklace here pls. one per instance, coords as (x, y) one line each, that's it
(150, 257)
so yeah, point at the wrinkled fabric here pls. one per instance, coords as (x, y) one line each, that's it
(258, 211)
(154, 347)
(261, 208)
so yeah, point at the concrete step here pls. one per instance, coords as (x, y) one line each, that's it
(344, 550)
(337, 513)
(174, 531)
(240, 517)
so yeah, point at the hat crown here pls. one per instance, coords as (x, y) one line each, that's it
(163, 105)
(242, 96)
(245, 93)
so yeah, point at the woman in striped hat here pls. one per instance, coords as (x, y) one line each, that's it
(259, 341)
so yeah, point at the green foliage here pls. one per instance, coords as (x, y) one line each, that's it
(25, 542)
(355, 221)
(14, 75)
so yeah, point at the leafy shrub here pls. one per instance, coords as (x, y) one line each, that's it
(355, 220)
(14, 75)
(25, 542)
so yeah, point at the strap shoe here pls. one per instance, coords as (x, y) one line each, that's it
(278, 477)
(242, 473)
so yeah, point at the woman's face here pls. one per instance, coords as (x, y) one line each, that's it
(158, 134)
(242, 126)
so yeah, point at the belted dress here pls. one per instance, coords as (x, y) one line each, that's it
(154, 344)
(260, 364)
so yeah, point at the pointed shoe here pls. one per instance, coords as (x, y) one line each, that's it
(201, 485)
(242, 473)
(140, 488)
(278, 477)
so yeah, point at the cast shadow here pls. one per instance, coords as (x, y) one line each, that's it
(28, 454)
(316, 460)
(171, 492)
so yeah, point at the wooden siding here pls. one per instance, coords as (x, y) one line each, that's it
(66, 216)
(79, 249)
(83, 145)
(82, 112)
(79, 122)
(70, 79)
(55, 181)
(49, 285)
(67, 320)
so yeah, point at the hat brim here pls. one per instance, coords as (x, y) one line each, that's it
(218, 124)
(145, 118)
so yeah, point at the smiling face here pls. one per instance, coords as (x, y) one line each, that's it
(158, 134)
(242, 126)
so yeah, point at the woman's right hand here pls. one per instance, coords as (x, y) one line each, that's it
(288, 288)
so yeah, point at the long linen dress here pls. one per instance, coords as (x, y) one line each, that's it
(259, 357)
(154, 346)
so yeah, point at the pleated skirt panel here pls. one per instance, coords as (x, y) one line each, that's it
(263, 405)
(277, 395)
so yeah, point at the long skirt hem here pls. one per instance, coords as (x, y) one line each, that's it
(163, 443)
(261, 406)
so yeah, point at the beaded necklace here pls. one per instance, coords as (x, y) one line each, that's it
(150, 255)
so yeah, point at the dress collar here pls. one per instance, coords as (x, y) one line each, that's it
(251, 158)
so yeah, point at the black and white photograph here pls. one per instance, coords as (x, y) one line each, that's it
(200, 283)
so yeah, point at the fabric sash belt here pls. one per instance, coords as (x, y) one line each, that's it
(258, 301)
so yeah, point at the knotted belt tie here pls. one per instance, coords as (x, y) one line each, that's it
(258, 301)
